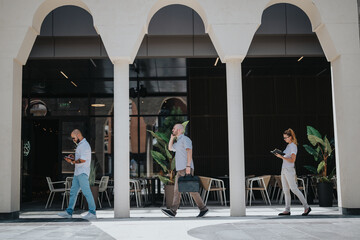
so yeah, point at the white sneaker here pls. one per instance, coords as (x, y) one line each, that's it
(89, 216)
(65, 214)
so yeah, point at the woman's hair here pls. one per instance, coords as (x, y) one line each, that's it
(291, 134)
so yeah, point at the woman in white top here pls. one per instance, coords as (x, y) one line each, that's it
(288, 174)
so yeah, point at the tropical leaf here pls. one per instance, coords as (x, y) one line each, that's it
(327, 146)
(185, 124)
(163, 137)
(158, 138)
(321, 166)
(315, 140)
(310, 150)
(173, 164)
(168, 154)
(313, 131)
(160, 159)
(165, 180)
(311, 169)
(160, 147)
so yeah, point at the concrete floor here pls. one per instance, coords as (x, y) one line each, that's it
(261, 222)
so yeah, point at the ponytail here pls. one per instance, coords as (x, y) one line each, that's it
(291, 134)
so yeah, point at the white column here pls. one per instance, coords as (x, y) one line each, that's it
(10, 137)
(121, 139)
(346, 99)
(236, 137)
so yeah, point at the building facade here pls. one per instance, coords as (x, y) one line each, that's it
(225, 29)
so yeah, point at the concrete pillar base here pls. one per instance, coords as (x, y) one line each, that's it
(350, 211)
(10, 215)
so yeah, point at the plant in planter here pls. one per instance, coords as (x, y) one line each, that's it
(166, 161)
(323, 153)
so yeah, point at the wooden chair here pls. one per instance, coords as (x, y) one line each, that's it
(262, 185)
(212, 185)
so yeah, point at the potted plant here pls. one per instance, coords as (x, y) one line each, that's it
(166, 160)
(92, 178)
(323, 152)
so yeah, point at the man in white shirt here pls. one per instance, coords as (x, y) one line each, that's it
(82, 161)
(184, 165)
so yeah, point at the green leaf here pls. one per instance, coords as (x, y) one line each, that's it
(185, 124)
(165, 180)
(160, 159)
(163, 137)
(315, 140)
(321, 166)
(327, 146)
(310, 150)
(168, 154)
(313, 131)
(173, 164)
(314, 136)
(158, 138)
(311, 169)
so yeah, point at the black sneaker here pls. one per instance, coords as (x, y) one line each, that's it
(168, 212)
(203, 213)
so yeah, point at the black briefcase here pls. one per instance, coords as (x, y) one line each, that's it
(189, 183)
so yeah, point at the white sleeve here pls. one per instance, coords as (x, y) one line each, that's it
(293, 150)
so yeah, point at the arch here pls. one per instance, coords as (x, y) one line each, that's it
(193, 4)
(307, 6)
(34, 30)
(313, 13)
(47, 6)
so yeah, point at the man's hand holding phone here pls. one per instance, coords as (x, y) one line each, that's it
(69, 158)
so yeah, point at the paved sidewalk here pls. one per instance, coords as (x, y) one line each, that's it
(150, 223)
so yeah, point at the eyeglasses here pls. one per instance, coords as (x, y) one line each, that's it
(286, 137)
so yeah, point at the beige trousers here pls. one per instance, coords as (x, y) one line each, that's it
(177, 195)
(288, 176)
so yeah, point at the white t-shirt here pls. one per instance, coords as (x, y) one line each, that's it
(289, 150)
(83, 151)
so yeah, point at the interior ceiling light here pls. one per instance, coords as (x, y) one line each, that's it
(93, 63)
(64, 74)
(248, 73)
(216, 61)
(73, 83)
(300, 58)
(98, 105)
(324, 70)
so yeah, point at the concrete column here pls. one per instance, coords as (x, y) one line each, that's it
(236, 137)
(121, 139)
(346, 99)
(10, 137)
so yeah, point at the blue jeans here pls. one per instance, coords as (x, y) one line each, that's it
(81, 181)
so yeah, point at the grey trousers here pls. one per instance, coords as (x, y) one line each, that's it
(288, 176)
(177, 195)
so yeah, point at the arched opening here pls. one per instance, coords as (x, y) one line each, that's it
(69, 71)
(178, 66)
(286, 84)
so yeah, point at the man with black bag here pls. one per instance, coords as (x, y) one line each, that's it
(184, 165)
